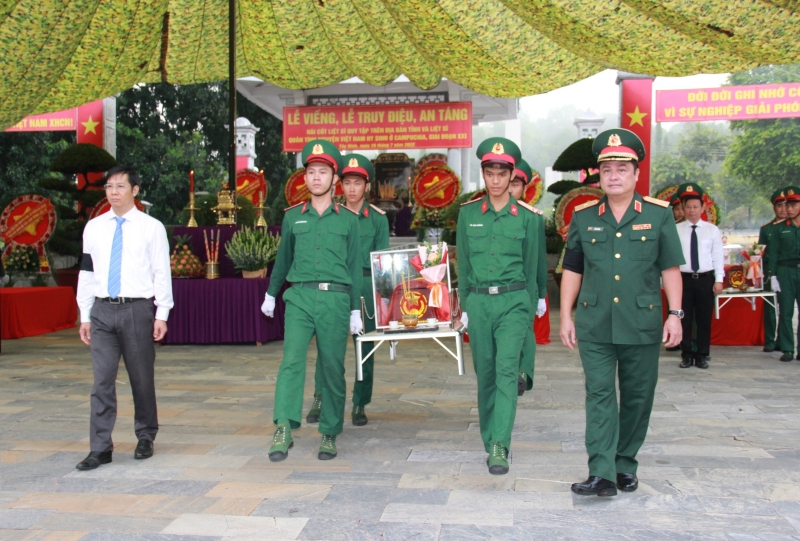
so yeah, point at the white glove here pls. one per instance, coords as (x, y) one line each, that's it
(269, 305)
(776, 287)
(464, 319)
(541, 308)
(355, 322)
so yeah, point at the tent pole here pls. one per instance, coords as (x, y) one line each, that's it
(232, 98)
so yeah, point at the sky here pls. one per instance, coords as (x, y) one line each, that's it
(600, 93)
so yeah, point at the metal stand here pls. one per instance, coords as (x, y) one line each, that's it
(380, 337)
(748, 296)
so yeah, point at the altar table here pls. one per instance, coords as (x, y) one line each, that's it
(30, 311)
(222, 311)
(738, 323)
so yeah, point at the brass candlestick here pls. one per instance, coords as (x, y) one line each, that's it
(191, 208)
(261, 222)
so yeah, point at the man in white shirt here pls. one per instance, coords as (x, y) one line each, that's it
(124, 269)
(702, 275)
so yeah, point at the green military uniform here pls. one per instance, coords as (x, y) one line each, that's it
(619, 312)
(527, 358)
(784, 262)
(319, 255)
(770, 326)
(373, 228)
(497, 259)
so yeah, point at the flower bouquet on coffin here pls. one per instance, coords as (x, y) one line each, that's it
(754, 266)
(431, 263)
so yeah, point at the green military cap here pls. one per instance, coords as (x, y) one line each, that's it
(618, 145)
(499, 151)
(674, 200)
(320, 150)
(792, 193)
(778, 196)
(689, 190)
(523, 171)
(356, 164)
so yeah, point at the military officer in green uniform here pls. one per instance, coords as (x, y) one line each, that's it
(498, 252)
(319, 255)
(522, 176)
(373, 228)
(779, 207)
(617, 249)
(784, 269)
(677, 207)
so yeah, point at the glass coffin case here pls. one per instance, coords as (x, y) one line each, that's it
(411, 288)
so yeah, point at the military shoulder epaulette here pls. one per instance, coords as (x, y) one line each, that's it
(655, 201)
(345, 207)
(530, 208)
(377, 209)
(776, 222)
(586, 205)
(293, 206)
(469, 202)
(768, 223)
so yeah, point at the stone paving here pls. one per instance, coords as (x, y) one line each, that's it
(721, 461)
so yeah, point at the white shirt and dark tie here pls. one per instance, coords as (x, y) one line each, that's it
(125, 264)
(702, 251)
(709, 255)
(141, 263)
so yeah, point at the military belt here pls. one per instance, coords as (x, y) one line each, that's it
(326, 286)
(496, 290)
(790, 264)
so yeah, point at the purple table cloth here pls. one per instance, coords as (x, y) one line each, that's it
(226, 269)
(222, 311)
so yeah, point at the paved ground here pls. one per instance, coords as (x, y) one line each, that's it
(721, 461)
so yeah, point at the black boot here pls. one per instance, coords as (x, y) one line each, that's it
(94, 460)
(627, 482)
(595, 486)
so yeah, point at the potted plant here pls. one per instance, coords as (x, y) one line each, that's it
(22, 263)
(251, 250)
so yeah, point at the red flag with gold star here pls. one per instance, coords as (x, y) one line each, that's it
(635, 115)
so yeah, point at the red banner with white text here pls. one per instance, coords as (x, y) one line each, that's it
(370, 127)
(749, 102)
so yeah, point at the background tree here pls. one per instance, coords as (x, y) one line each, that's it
(766, 153)
(25, 159)
(167, 130)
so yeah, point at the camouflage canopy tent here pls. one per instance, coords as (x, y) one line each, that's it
(56, 54)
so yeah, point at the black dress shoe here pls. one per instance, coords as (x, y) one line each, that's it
(674, 348)
(627, 482)
(702, 361)
(687, 362)
(769, 349)
(786, 357)
(144, 449)
(94, 460)
(595, 486)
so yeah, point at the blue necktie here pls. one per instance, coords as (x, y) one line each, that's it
(115, 266)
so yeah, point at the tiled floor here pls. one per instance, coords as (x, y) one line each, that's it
(721, 461)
